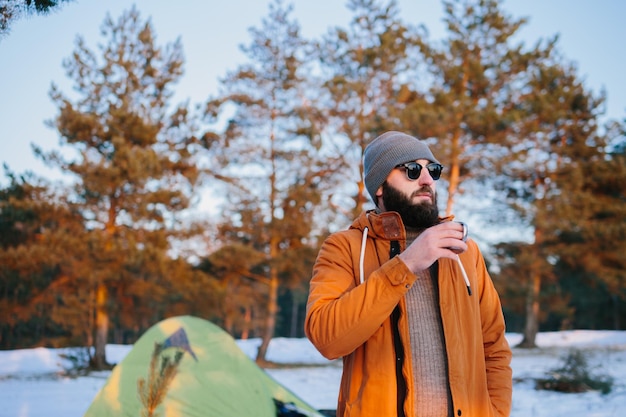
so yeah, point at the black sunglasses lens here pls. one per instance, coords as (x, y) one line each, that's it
(434, 170)
(413, 171)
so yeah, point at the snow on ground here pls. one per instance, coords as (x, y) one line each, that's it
(31, 385)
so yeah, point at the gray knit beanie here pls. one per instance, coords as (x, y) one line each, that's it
(386, 152)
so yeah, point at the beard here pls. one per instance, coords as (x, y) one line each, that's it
(417, 216)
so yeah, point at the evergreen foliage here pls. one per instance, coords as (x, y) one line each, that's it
(114, 251)
(45, 296)
(473, 102)
(161, 373)
(575, 376)
(134, 171)
(12, 10)
(276, 174)
(369, 73)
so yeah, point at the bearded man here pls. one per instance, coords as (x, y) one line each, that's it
(406, 300)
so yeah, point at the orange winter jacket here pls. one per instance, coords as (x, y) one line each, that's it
(354, 289)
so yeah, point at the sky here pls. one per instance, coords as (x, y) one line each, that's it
(591, 33)
(28, 387)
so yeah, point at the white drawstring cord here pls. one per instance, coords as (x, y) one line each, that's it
(467, 282)
(362, 255)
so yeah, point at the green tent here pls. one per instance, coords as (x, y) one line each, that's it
(213, 377)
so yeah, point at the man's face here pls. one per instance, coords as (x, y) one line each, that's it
(414, 200)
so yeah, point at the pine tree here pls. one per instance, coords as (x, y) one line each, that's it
(472, 102)
(558, 118)
(133, 163)
(233, 266)
(369, 72)
(44, 251)
(270, 148)
(589, 237)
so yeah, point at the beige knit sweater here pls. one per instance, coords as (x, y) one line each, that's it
(432, 396)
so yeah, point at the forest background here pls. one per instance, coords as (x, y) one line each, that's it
(119, 243)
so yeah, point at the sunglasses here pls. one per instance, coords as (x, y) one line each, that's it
(413, 170)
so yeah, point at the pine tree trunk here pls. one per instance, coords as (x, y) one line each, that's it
(247, 323)
(102, 328)
(293, 331)
(617, 325)
(531, 327)
(455, 144)
(102, 299)
(452, 187)
(270, 322)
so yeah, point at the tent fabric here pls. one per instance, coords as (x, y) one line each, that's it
(215, 377)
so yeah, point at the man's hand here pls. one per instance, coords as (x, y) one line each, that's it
(444, 240)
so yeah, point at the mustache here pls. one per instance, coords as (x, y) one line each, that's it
(423, 190)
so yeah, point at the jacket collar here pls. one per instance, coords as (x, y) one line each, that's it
(384, 225)
(387, 225)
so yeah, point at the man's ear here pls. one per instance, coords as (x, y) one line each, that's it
(379, 196)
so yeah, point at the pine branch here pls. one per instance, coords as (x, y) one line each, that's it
(153, 391)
